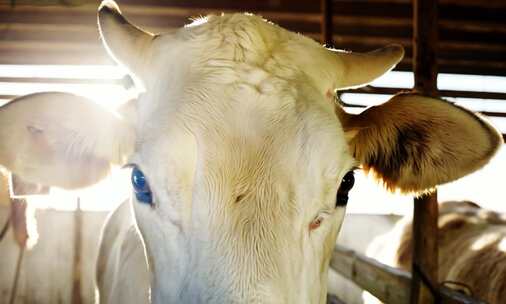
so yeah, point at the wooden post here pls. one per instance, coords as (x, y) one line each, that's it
(326, 23)
(425, 250)
(425, 45)
(78, 236)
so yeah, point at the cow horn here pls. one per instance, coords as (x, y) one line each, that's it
(124, 42)
(359, 69)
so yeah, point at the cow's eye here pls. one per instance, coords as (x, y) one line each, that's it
(345, 187)
(141, 187)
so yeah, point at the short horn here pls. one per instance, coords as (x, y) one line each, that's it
(359, 69)
(126, 43)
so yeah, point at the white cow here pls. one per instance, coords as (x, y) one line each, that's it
(239, 154)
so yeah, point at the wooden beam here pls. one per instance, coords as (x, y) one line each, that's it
(47, 80)
(425, 44)
(327, 22)
(77, 261)
(425, 250)
(425, 230)
(466, 45)
(388, 284)
(445, 93)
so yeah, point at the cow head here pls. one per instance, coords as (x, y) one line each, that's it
(240, 157)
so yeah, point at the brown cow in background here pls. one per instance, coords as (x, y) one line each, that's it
(472, 250)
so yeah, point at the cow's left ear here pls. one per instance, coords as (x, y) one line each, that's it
(60, 139)
(414, 143)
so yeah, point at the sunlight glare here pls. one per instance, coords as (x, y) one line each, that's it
(485, 240)
(502, 245)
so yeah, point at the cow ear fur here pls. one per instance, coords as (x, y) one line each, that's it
(60, 139)
(414, 143)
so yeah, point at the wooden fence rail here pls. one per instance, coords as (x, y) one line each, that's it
(390, 285)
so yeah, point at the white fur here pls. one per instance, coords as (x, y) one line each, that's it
(239, 132)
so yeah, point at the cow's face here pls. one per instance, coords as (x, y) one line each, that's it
(244, 157)
(242, 201)
(240, 157)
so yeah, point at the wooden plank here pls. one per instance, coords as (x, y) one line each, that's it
(425, 46)
(61, 80)
(500, 97)
(466, 45)
(14, 56)
(491, 3)
(15, 280)
(471, 55)
(425, 230)
(388, 284)
(491, 96)
(327, 23)
(425, 251)
(77, 260)
(92, 226)
(163, 16)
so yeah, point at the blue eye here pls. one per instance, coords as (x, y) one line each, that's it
(141, 187)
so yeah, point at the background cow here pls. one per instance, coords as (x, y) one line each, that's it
(472, 249)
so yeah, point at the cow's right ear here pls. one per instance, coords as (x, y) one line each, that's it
(413, 143)
(60, 139)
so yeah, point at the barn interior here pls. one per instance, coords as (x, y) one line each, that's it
(54, 45)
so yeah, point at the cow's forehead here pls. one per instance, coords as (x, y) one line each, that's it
(222, 83)
(220, 44)
(232, 59)
(244, 129)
